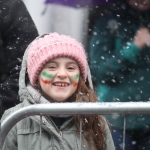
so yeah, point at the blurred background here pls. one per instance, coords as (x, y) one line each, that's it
(71, 17)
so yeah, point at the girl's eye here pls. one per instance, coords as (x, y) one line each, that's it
(51, 67)
(71, 68)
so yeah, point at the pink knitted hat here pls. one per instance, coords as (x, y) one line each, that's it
(52, 46)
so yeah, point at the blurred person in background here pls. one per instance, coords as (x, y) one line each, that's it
(17, 30)
(119, 55)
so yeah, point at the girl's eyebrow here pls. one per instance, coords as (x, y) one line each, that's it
(71, 62)
(51, 62)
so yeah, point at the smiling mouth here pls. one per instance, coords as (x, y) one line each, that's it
(61, 84)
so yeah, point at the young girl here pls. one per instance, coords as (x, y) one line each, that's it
(57, 72)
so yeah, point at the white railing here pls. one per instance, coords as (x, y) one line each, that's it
(73, 109)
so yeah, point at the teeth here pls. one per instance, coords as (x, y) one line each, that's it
(60, 84)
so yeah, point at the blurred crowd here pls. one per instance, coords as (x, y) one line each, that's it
(118, 55)
(119, 58)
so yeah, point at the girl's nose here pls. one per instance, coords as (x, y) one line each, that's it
(62, 74)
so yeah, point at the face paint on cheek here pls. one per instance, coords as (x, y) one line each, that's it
(46, 77)
(75, 79)
(45, 82)
(75, 84)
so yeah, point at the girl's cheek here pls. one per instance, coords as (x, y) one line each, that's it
(45, 81)
(75, 79)
(46, 77)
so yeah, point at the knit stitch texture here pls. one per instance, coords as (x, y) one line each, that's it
(51, 46)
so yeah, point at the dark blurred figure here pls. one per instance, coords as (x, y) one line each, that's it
(119, 55)
(17, 30)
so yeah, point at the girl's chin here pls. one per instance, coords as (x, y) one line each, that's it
(59, 100)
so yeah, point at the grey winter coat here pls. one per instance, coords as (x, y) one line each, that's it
(25, 134)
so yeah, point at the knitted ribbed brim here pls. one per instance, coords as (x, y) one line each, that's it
(51, 46)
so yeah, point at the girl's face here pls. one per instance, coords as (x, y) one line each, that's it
(59, 78)
(142, 5)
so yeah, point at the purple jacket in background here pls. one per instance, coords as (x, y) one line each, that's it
(79, 3)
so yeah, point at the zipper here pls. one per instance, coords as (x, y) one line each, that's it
(60, 132)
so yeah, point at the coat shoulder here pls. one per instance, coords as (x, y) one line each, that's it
(11, 110)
